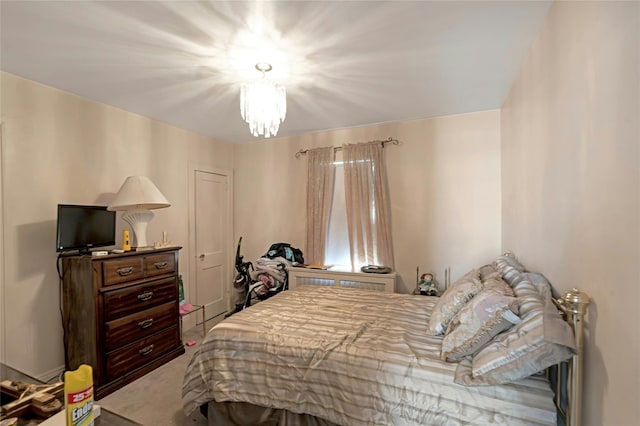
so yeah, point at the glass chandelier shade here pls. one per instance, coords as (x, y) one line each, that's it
(263, 104)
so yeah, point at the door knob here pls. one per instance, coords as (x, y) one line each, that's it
(202, 256)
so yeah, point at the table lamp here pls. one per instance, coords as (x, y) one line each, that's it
(136, 197)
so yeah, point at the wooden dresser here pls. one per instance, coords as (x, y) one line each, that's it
(120, 314)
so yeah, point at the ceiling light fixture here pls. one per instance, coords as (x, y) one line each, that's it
(263, 104)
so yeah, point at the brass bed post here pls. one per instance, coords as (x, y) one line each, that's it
(574, 305)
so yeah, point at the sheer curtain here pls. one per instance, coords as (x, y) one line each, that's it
(320, 181)
(367, 203)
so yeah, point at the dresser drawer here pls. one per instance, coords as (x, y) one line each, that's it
(136, 326)
(119, 303)
(128, 358)
(159, 264)
(122, 270)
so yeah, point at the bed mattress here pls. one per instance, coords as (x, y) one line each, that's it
(352, 357)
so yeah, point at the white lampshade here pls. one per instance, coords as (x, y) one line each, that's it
(136, 197)
(138, 192)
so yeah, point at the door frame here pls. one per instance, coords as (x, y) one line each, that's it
(190, 286)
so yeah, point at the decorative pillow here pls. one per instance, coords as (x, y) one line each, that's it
(489, 271)
(508, 261)
(489, 313)
(509, 268)
(452, 300)
(540, 282)
(542, 339)
(499, 285)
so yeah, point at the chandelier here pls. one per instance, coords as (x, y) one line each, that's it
(263, 104)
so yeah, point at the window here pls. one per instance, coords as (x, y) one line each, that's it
(337, 247)
(350, 193)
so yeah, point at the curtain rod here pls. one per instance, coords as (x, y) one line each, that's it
(392, 141)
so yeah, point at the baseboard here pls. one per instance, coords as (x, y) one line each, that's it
(53, 375)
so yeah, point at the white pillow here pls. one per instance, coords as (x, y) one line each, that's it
(452, 300)
(489, 313)
(542, 339)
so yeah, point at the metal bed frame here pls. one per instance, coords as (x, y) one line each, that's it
(567, 377)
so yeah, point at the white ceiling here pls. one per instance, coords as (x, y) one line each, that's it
(344, 64)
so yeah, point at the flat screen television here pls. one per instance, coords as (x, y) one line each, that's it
(84, 227)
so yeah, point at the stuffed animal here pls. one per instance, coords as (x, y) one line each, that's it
(427, 285)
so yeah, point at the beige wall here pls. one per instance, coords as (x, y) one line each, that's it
(60, 148)
(444, 182)
(570, 181)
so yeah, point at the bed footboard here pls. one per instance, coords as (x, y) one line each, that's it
(568, 399)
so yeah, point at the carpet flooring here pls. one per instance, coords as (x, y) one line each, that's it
(156, 398)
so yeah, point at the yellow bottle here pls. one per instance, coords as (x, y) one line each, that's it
(78, 396)
(126, 242)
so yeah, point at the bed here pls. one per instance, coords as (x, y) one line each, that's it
(343, 356)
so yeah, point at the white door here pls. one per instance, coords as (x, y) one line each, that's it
(211, 241)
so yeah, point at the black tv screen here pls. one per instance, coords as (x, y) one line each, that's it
(84, 227)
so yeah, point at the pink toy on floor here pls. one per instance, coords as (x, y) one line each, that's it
(186, 308)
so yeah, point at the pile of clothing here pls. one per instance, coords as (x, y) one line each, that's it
(271, 269)
(270, 273)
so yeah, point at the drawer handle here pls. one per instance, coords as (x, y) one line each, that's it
(160, 265)
(146, 323)
(123, 272)
(146, 350)
(147, 295)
